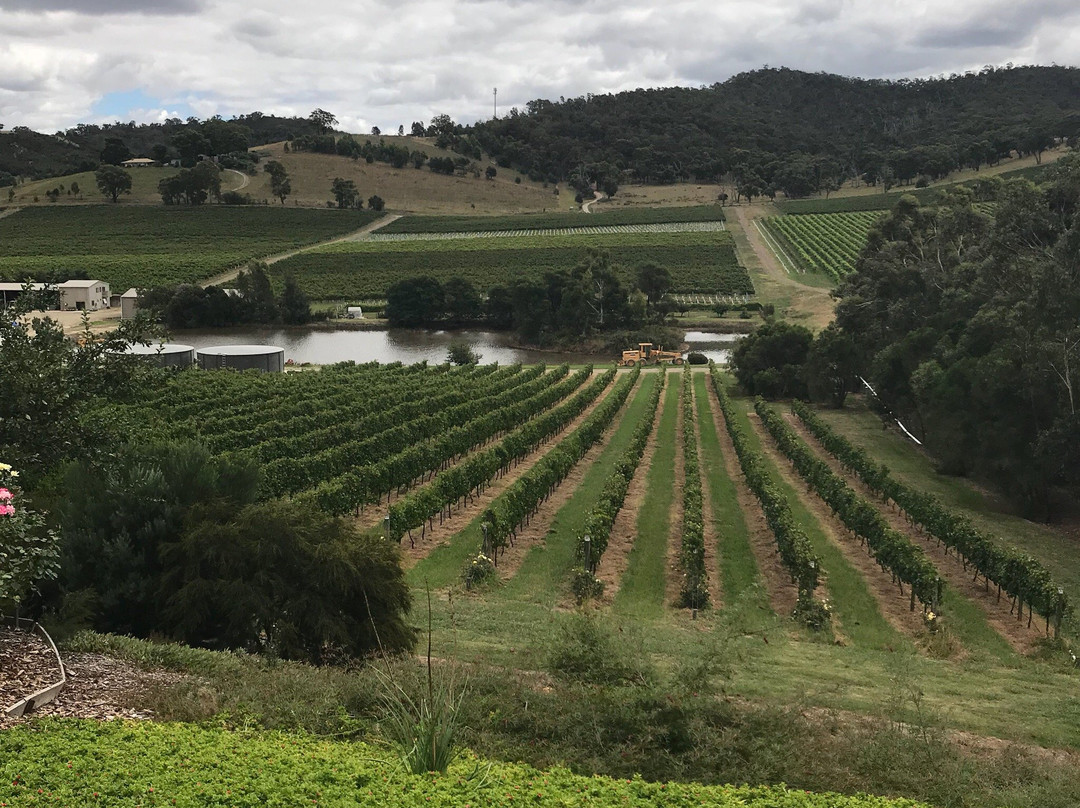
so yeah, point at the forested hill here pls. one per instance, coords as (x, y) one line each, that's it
(34, 155)
(759, 121)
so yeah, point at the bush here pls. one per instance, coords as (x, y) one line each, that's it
(461, 354)
(814, 614)
(697, 358)
(586, 586)
(585, 650)
(478, 570)
(236, 198)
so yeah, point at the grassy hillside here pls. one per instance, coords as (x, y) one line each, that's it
(311, 175)
(408, 188)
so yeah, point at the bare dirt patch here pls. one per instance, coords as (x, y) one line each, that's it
(536, 531)
(440, 532)
(1015, 632)
(894, 606)
(616, 558)
(783, 594)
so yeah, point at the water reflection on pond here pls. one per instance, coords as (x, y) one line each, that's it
(410, 346)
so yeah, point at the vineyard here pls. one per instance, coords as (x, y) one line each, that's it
(755, 543)
(147, 246)
(827, 243)
(546, 221)
(452, 461)
(698, 261)
(594, 230)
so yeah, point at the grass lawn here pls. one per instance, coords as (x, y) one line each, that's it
(738, 569)
(645, 581)
(542, 577)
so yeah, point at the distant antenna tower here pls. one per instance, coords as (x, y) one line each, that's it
(495, 103)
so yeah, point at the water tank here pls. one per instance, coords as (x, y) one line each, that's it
(165, 354)
(267, 358)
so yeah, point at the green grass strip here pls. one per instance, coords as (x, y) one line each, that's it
(852, 603)
(644, 583)
(738, 569)
(542, 575)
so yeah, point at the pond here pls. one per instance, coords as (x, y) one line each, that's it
(410, 346)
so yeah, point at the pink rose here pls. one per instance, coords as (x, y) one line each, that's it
(6, 510)
(5, 495)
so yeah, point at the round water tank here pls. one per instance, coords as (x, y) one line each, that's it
(165, 354)
(267, 358)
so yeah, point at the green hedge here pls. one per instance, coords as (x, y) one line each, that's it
(144, 764)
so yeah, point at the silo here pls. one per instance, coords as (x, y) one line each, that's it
(267, 358)
(165, 354)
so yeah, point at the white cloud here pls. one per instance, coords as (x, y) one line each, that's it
(390, 62)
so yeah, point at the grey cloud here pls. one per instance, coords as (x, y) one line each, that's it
(251, 28)
(101, 7)
(395, 61)
(995, 24)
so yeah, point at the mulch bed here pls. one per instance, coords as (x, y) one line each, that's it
(27, 665)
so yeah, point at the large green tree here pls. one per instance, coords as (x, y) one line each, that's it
(50, 381)
(967, 326)
(276, 577)
(113, 181)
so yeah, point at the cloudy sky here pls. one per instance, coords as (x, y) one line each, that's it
(390, 62)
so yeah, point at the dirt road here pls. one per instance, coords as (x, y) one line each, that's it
(809, 305)
(356, 235)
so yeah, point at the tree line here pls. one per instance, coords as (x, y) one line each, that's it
(251, 302)
(967, 325)
(798, 133)
(587, 300)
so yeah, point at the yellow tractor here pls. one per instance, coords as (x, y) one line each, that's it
(647, 355)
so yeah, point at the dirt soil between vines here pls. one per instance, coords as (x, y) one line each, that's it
(675, 521)
(894, 606)
(783, 594)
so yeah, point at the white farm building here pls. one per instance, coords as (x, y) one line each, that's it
(73, 295)
(83, 295)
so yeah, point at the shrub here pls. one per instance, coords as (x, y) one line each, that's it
(586, 586)
(461, 354)
(812, 613)
(478, 570)
(697, 358)
(585, 650)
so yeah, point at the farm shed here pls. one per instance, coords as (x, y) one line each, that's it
(165, 354)
(9, 292)
(129, 304)
(268, 358)
(83, 295)
(139, 162)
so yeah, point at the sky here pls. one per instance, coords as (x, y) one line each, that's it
(390, 62)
